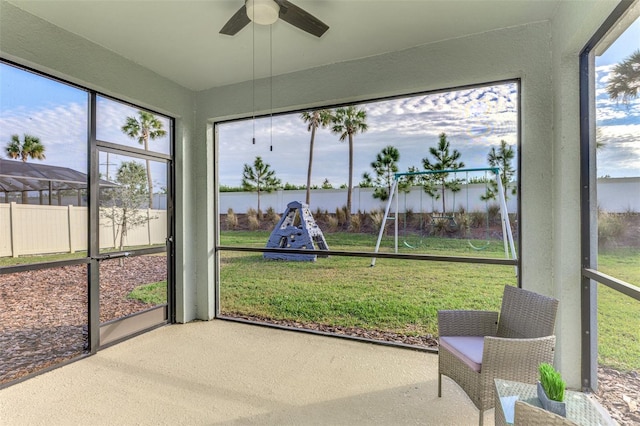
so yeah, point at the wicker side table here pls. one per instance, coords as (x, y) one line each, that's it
(580, 408)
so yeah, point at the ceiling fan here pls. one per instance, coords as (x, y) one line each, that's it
(266, 12)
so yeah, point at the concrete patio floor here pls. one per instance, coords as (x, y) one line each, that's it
(220, 372)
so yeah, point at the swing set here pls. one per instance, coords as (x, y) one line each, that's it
(435, 221)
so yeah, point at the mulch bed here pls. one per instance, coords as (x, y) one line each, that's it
(44, 313)
(43, 322)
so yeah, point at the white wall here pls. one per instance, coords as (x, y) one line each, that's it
(615, 195)
(362, 200)
(573, 26)
(619, 195)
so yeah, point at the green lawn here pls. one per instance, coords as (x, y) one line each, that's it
(401, 296)
(153, 293)
(618, 314)
(24, 260)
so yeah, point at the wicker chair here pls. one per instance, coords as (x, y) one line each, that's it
(476, 348)
(529, 415)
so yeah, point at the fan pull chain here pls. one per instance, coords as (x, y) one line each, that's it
(253, 79)
(271, 87)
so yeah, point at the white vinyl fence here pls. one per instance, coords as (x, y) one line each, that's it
(615, 195)
(33, 229)
(361, 200)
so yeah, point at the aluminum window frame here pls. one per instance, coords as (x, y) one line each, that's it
(591, 277)
(93, 253)
(416, 257)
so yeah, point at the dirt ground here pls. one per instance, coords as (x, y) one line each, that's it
(43, 321)
(44, 314)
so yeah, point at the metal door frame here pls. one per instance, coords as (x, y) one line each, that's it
(111, 332)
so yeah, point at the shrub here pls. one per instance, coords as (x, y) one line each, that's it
(232, 219)
(356, 223)
(254, 223)
(341, 215)
(610, 229)
(272, 216)
(552, 382)
(409, 216)
(252, 212)
(333, 223)
(477, 219)
(493, 211)
(463, 220)
(440, 227)
(376, 216)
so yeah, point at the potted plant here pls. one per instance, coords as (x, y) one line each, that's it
(551, 390)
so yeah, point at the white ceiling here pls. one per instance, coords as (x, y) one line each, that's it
(180, 41)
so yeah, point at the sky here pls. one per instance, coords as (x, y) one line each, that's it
(57, 114)
(474, 120)
(619, 123)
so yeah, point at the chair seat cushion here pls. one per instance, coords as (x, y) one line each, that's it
(466, 348)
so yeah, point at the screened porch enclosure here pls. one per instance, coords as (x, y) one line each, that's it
(548, 46)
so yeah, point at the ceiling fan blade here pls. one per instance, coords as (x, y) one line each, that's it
(237, 22)
(300, 18)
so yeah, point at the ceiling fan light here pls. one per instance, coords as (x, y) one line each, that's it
(263, 12)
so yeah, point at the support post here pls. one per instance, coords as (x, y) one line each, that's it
(384, 221)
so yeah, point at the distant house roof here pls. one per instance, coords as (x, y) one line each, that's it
(18, 176)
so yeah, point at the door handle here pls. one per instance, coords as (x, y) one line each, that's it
(111, 256)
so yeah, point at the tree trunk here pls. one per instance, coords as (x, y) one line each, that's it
(149, 181)
(258, 212)
(313, 135)
(150, 186)
(350, 188)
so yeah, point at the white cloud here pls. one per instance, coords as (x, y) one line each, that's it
(621, 151)
(474, 120)
(62, 129)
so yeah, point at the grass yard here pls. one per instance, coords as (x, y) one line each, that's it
(400, 296)
(153, 293)
(618, 314)
(24, 260)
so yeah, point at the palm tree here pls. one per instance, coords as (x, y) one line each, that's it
(314, 119)
(148, 126)
(501, 159)
(259, 178)
(444, 160)
(347, 122)
(30, 147)
(624, 82)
